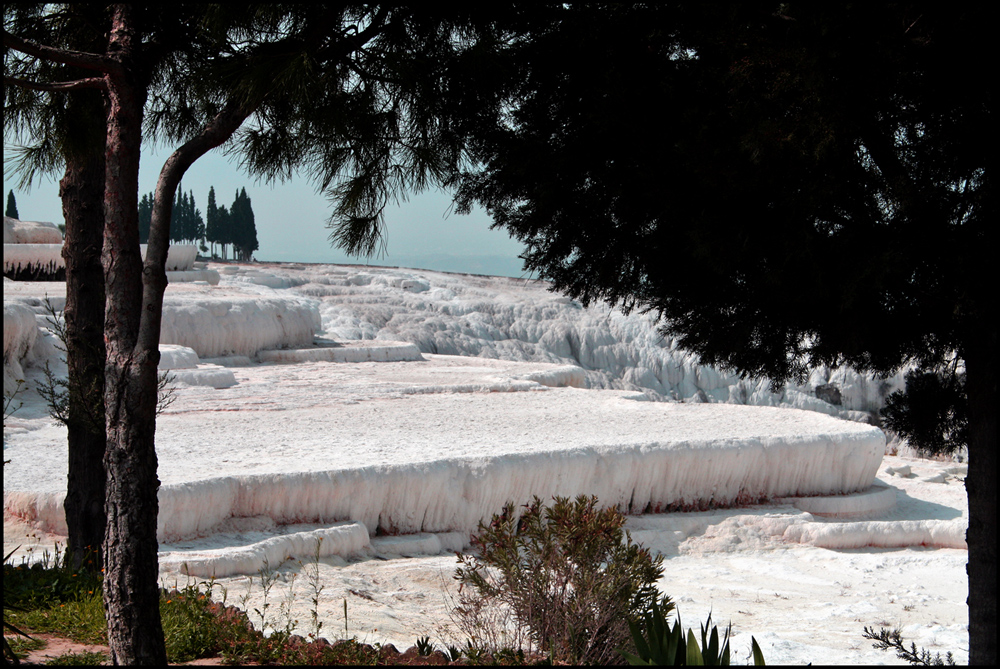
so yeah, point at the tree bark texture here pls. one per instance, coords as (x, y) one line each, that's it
(981, 487)
(82, 193)
(133, 316)
(131, 592)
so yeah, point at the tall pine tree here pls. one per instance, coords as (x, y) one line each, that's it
(317, 80)
(816, 174)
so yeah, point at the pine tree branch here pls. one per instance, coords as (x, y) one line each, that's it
(81, 59)
(55, 86)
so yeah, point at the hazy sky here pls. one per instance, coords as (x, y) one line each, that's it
(291, 220)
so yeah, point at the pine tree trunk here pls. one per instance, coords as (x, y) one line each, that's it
(82, 193)
(131, 592)
(980, 483)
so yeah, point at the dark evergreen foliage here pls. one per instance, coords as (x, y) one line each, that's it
(243, 227)
(66, 132)
(145, 216)
(11, 209)
(186, 222)
(224, 229)
(234, 226)
(786, 185)
(212, 220)
(931, 412)
(783, 189)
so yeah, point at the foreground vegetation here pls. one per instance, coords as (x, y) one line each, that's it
(559, 584)
(50, 598)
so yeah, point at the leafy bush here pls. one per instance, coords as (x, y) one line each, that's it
(568, 577)
(189, 626)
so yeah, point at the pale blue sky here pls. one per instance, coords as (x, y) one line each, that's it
(291, 220)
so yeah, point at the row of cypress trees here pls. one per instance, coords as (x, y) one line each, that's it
(234, 226)
(228, 227)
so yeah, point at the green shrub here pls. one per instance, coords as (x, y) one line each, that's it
(41, 584)
(565, 580)
(190, 628)
(657, 644)
(424, 646)
(49, 596)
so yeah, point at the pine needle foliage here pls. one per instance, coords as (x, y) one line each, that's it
(931, 412)
(892, 640)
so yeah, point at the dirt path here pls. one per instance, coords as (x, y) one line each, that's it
(56, 646)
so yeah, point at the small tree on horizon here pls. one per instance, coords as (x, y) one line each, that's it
(244, 229)
(224, 230)
(212, 221)
(11, 206)
(145, 216)
(186, 222)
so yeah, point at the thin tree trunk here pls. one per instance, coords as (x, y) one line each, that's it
(981, 486)
(134, 312)
(82, 193)
(131, 592)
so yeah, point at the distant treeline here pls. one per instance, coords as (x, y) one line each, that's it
(233, 227)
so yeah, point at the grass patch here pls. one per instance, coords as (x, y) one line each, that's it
(80, 619)
(85, 659)
(22, 646)
(54, 599)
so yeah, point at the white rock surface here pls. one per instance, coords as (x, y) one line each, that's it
(29, 232)
(299, 451)
(48, 256)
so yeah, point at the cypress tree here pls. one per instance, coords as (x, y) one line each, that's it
(244, 227)
(197, 222)
(212, 220)
(175, 216)
(11, 206)
(236, 225)
(145, 217)
(184, 218)
(224, 227)
(190, 226)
